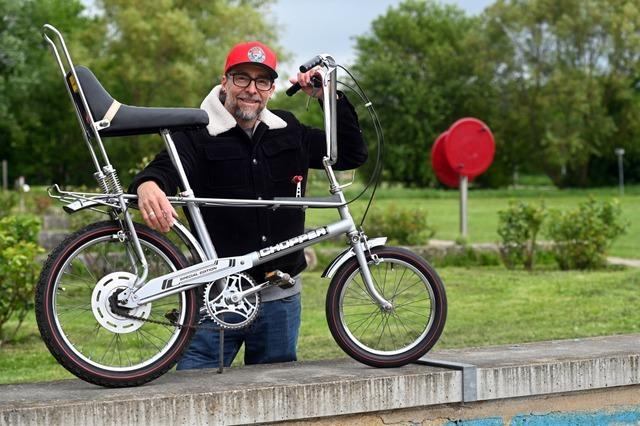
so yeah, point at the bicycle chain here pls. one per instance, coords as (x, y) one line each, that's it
(118, 310)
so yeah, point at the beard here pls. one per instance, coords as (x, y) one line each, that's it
(244, 112)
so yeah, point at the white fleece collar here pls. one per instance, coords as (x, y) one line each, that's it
(220, 120)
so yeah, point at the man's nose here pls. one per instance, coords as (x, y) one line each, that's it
(252, 88)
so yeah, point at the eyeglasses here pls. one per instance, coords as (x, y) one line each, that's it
(243, 80)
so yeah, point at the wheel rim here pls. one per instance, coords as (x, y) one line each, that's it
(82, 332)
(388, 333)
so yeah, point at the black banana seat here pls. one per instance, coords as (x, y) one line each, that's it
(125, 120)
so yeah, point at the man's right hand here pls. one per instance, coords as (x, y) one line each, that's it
(156, 210)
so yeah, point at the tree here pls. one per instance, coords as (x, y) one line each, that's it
(36, 118)
(419, 74)
(145, 53)
(170, 53)
(557, 82)
(564, 58)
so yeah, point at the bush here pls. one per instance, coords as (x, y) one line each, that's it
(19, 269)
(467, 257)
(401, 226)
(8, 201)
(518, 226)
(582, 236)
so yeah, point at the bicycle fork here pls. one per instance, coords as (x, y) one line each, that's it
(357, 244)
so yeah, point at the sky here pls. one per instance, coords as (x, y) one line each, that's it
(308, 27)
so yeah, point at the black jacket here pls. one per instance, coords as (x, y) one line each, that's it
(232, 165)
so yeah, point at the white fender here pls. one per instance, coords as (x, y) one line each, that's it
(347, 254)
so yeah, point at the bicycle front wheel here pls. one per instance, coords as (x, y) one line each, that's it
(78, 325)
(387, 338)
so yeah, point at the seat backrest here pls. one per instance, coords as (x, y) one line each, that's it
(98, 99)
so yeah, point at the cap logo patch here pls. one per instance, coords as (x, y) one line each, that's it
(256, 54)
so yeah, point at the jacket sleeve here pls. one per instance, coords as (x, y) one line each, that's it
(161, 169)
(352, 149)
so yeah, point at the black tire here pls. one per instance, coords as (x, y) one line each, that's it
(85, 336)
(416, 292)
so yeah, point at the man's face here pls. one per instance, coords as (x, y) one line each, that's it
(245, 104)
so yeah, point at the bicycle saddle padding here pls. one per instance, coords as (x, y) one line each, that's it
(131, 120)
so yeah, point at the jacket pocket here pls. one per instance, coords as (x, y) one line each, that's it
(283, 159)
(226, 165)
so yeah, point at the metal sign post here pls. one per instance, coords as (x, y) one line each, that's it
(464, 184)
(620, 153)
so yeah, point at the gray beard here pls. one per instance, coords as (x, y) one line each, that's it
(245, 115)
(237, 112)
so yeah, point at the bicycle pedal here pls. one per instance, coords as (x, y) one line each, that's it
(281, 279)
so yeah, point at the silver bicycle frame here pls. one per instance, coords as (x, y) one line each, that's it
(211, 268)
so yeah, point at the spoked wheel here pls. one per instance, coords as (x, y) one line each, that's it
(76, 320)
(387, 338)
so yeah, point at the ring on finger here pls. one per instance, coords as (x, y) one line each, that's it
(152, 214)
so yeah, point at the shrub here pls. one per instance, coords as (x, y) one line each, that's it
(582, 236)
(518, 226)
(19, 269)
(8, 201)
(401, 226)
(468, 257)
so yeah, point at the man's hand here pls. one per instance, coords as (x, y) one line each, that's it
(304, 78)
(156, 210)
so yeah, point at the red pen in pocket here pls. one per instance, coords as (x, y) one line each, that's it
(298, 181)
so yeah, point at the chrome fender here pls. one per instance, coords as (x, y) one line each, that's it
(347, 254)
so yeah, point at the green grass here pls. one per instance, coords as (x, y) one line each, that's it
(490, 306)
(442, 208)
(487, 306)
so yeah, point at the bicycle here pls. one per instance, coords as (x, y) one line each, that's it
(117, 302)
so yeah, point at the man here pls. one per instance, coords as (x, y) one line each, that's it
(249, 152)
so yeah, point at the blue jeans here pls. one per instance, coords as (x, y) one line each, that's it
(272, 337)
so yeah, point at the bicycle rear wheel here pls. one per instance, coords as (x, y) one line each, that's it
(78, 325)
(391, 338)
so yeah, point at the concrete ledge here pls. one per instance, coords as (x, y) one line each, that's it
(316, 390)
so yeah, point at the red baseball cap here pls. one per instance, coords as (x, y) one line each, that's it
(252, 52)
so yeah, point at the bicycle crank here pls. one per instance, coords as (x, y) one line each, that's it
(226, 308)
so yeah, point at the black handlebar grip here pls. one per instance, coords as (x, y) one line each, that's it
(315, 80)
(316, 60)
(293, 89)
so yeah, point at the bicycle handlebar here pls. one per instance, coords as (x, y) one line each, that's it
(316, 60)
(317, 83)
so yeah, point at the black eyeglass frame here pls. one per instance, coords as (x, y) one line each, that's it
(251, 79)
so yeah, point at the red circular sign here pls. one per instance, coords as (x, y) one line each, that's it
(441, 167)
(469, 147)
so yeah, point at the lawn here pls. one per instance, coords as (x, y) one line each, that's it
(442, 208)
(487, 306)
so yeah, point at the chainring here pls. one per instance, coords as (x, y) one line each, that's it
(226, 313)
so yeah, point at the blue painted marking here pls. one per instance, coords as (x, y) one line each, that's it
(631, 417)
(597, 418)
(490, 421)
